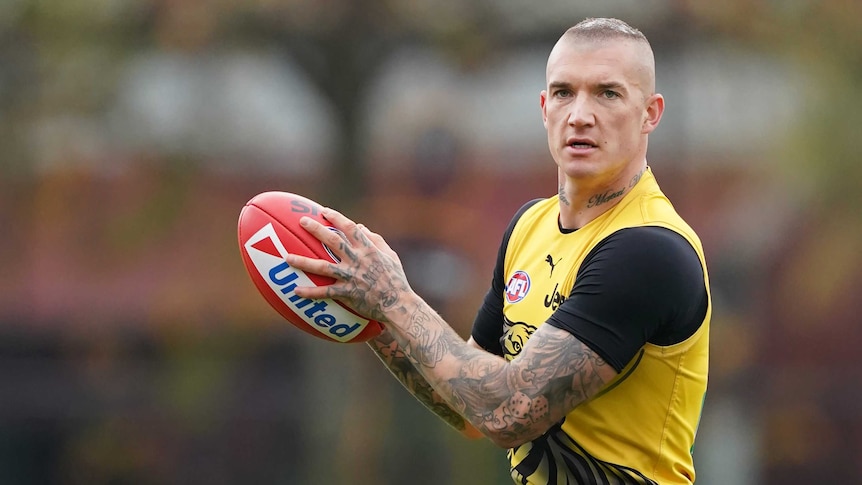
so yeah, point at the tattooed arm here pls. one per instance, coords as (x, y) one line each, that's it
(393, 357)
(510, 402)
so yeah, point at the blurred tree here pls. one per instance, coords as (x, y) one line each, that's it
(809, 414)
(825, 39)
(342, 45)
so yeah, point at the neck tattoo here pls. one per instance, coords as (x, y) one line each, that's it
(563, 197)
(605, 197)
(610, 195)
(637, 178)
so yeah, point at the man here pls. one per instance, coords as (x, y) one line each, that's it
(588, 358)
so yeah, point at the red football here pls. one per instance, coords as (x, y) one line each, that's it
(269, 230)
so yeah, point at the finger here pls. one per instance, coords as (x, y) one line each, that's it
(333, 240)
(315, 292)
(322, 268)
(318, 267)
(315, 266)
(377, 240)
(347, 226)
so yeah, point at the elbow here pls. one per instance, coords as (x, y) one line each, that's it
(508, 438)
(471, 432)
(506, 443)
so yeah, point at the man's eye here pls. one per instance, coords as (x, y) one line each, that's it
(562, 93)
(610, 94)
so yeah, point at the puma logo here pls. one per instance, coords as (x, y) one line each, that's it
(550, 261)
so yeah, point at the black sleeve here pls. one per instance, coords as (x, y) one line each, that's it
(639, 285)
(488, 325)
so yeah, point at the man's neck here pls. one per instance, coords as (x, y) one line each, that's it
(581, 204)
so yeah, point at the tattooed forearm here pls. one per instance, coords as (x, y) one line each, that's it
(520, 400)
(427, 345)
(511, 402)
(386, 348)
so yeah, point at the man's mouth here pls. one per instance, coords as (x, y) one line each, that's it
(580, 143)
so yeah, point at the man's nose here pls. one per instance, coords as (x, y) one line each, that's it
(581, 112)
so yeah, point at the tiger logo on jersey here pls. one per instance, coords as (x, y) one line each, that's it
(515, 336)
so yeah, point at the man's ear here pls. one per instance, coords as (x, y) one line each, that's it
(652, 115)
(543, 98)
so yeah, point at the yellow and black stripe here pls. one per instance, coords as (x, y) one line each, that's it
(555, 458)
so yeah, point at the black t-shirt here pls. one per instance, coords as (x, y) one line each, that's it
(638, 285)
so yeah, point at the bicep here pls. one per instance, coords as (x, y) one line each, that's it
(639, 285)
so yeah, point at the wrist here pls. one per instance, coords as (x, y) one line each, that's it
(405, 305)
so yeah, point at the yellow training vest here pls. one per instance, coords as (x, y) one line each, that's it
(641, 427)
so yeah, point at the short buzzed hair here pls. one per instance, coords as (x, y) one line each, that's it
(597, 30)
(604, 29)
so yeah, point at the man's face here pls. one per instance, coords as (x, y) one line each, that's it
(598, 108)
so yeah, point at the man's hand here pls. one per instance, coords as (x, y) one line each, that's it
(369, 278)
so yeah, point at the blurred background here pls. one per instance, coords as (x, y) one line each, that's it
(135, 349)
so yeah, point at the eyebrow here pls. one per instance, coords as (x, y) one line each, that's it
(600, 86)
(611, 85)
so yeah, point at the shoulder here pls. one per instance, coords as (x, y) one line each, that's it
(657, 246)
(654, 259)
(519, 215)
(646, 282)
(526, 207)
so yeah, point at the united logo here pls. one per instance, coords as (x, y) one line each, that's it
(267, 253)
